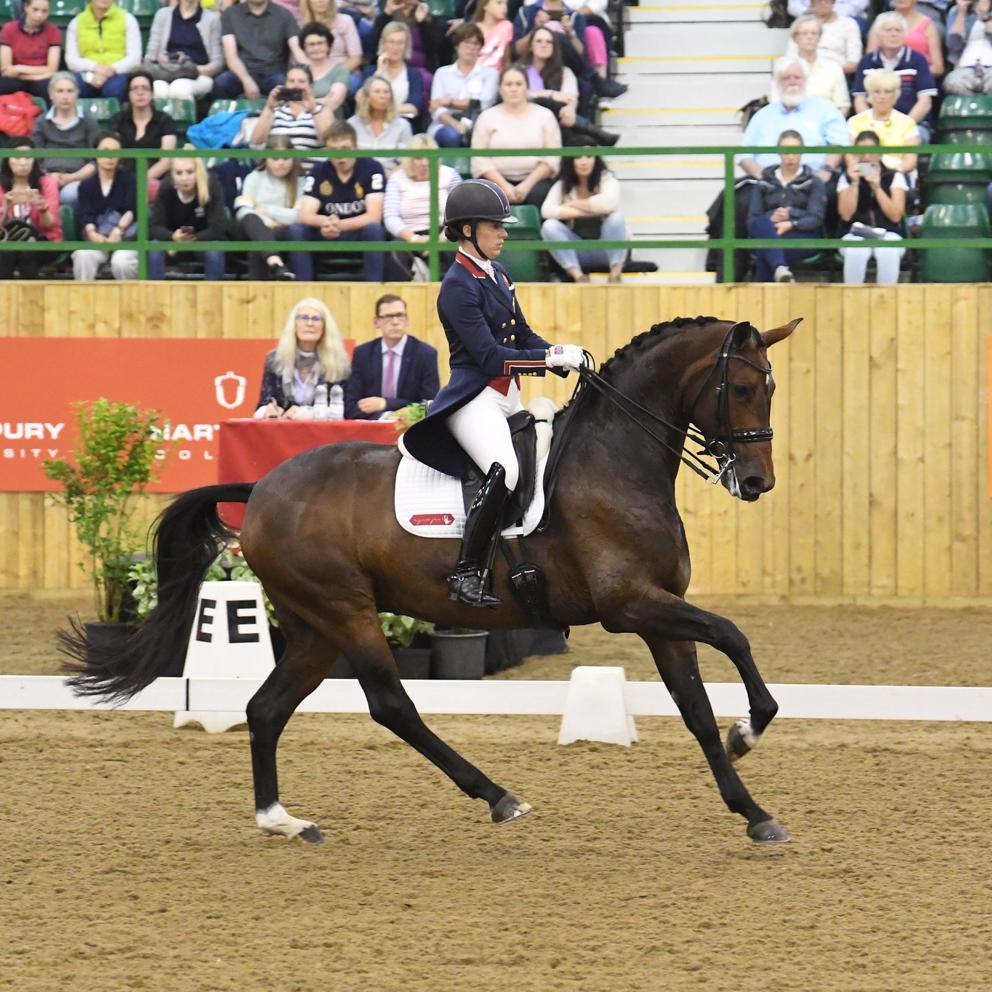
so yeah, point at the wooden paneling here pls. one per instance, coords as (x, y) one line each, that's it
(880, 418)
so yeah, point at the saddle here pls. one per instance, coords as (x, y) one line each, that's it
(429, 503)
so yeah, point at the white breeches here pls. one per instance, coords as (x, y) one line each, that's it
(481, 429)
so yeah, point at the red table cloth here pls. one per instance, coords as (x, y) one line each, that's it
(248, 449)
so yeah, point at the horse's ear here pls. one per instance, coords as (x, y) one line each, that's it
(742, 330)
(777, 334)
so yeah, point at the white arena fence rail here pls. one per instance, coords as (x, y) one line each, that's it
(523, 698)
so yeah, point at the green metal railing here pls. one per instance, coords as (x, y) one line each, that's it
(728, 244)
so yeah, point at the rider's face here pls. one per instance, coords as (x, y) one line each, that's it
(490, 235)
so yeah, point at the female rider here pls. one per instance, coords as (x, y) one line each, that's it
(491, 346)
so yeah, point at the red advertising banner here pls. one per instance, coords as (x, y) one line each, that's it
(196, 384)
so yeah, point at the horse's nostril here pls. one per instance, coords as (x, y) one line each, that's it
(753, 485)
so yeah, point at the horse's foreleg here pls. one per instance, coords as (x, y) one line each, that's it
(390, 706)
(307, 660)
(674, 618)
(677, 665)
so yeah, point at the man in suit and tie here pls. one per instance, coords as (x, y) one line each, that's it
(392, 371)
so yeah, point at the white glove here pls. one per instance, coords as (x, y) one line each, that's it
(565, 356)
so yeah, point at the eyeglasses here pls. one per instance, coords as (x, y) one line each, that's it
(310, 318)
(391, 316)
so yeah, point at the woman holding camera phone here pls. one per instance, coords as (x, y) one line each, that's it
(872, 198)
(292, 110)
(29, 210)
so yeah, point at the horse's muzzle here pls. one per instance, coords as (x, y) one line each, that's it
(753, 486)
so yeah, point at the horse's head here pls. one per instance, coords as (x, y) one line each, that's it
(733, 407)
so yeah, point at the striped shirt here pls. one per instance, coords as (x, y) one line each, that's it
(301, 131)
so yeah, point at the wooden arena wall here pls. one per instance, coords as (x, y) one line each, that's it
(880, 420)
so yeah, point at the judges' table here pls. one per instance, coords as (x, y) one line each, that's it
(248, 449)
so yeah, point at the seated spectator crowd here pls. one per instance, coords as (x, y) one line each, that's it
(848, 79)
(320, 75)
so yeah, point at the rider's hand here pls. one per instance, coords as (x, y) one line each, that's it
(565, 356)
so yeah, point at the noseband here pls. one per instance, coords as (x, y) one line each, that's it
(720, 447)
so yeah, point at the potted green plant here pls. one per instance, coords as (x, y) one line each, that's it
(458, 653)
(113, 464)
(409, 640)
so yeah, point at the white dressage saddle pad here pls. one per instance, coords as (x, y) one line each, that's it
(429, 503)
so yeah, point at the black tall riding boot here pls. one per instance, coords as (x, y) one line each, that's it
(471, 577)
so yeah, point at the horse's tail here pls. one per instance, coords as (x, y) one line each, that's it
(190, 533)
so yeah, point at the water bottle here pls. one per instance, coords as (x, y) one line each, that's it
(321, 411)
(335, 408)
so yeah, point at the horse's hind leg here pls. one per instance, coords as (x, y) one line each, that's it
(390, 706)
(307, 660)
(677, 665)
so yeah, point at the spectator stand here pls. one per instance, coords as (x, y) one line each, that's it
(689, 68)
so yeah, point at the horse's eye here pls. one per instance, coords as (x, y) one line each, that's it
(742, 393)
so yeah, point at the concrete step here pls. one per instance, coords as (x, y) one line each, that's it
(701, 65)
(709, 44)
(646, 198)
(666, 168)
(674, 89)
(645, 134)
(678, 112)
(677, 264)
(698, 11)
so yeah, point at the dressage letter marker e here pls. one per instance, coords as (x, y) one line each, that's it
(229, 640)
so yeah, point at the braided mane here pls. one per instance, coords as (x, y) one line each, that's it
(657, 333)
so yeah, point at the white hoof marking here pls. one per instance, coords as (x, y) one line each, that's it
(747, 733)
(275, 820)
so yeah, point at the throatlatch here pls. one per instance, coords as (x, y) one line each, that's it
(470, 582)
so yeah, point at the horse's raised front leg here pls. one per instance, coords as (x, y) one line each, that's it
(307, 660)
(390, 706)
(675, 619)
(677, 665)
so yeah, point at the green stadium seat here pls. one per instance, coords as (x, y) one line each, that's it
(39, 102)
(144, 10)
(101, 108)
(441, 8)
(524, 266)
(955, 220)
(182, 111)
(7, 11)
(232, 106)
(63, 11)
(958, 112)
(967, 136)
(958, 177)
(956, 167)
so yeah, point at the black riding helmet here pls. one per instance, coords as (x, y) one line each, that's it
(472, 201)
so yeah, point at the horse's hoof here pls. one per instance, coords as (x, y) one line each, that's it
(740, 740)
(510, 808)
(311, 834)
(768, 832)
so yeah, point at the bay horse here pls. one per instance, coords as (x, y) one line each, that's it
(321, 535)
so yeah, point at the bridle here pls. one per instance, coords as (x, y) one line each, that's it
(721, 447)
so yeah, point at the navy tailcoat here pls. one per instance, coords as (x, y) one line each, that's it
(489, 338)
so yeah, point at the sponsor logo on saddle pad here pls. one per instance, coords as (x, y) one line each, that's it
(432, 519)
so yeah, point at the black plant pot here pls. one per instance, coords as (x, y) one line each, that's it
(458, 656)
(413, 663)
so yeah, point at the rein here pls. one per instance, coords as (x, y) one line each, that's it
(722, 446)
